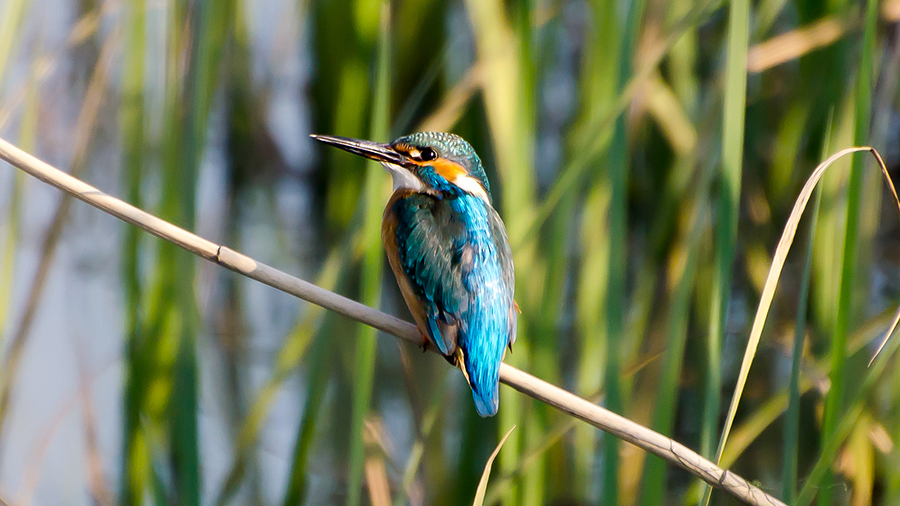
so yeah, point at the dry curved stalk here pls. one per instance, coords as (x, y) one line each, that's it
(482, 484)
(538, 389)
(768, 293)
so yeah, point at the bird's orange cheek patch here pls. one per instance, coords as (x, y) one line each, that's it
(447, 169)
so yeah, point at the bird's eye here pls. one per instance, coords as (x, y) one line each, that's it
(428, 154)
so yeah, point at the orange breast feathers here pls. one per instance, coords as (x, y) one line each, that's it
(389, 239)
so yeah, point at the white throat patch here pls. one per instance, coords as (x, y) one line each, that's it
(403, 178)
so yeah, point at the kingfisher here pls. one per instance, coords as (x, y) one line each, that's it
(449, 251)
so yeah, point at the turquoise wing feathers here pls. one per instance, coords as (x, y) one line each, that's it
(454, 258)
(428, 254)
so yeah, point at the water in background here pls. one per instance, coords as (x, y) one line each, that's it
(70, 379)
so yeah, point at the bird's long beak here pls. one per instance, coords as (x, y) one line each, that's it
(372, 150)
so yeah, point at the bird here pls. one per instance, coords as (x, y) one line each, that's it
(449, 250)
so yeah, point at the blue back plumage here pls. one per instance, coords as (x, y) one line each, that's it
(487, 320)
(454, 251)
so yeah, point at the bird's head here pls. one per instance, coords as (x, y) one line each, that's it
(425, 161)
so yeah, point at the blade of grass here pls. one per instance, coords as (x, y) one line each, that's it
(418, 448)
(595, 137)
(845, 425)
(763, 417)
(616, 391)
(686, 182)
(685, 259)
(188, 106)
(27, 136)
(785, 154)
(598, 84)
(289, 357)
(482, 484)
(504, 95)
(859, 454)
(206, 34)
(318, 377)
(507, 90)
(834, 403)
(768, 413)
(727, 208)
(683, 59)
(84, 135)
(10, 241)
(134, 472)
(375, 468)
(590, 299)
(775, 272)
(792, 417)
(163, 322)
(244, 153)
(547, 356)
(830, 231)
(372, 262)
(543, 263)
(10, 24)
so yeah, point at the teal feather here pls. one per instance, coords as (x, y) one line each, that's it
(454, 252)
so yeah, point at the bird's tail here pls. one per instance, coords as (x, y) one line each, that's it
(484, 379)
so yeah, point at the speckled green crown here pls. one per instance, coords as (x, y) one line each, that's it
(451, 147)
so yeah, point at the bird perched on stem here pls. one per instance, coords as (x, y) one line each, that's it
(449, 252)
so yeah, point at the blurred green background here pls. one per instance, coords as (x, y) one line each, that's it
(644, 155)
